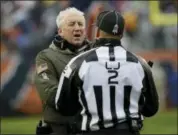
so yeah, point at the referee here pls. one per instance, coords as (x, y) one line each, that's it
(108, 88)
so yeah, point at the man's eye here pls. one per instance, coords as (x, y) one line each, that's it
(80, 24)
(71, 24)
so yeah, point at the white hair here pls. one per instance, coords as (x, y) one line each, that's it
(63, 14)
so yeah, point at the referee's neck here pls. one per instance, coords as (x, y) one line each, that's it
(110, 37)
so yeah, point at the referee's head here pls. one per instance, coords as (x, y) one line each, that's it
(110, 24)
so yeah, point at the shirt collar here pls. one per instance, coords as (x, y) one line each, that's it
(108, 42)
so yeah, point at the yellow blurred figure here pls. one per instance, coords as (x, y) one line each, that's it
(48, 3)
(131, 21)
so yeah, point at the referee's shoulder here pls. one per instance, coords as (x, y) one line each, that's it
(79, 59)
(142, 61)
(87, 55)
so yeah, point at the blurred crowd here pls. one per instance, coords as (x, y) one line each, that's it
(29, 26)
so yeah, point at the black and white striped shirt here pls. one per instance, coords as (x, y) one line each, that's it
(104, 84)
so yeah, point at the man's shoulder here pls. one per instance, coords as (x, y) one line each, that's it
(42, 53)
(47, 52)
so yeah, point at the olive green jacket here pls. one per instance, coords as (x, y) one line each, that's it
(49, 66)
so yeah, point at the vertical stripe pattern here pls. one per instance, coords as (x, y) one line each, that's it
(113, 104)
(127, 91)
(86, 111)
(99, 103)
(107, 104)
(111, 53)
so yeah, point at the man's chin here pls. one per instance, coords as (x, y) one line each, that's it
(77, 43)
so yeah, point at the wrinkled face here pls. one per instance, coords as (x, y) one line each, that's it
(73, 29)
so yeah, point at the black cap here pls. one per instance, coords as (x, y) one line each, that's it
(111, 22)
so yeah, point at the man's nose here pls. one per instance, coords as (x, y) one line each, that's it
(77, 27)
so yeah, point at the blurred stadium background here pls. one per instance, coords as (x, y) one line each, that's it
(29, 26)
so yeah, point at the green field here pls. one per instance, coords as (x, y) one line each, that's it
(162, 123)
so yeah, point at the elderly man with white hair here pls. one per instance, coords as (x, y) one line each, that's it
(50, 63)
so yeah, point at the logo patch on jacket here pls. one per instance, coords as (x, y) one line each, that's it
(44, 76)
(41, 68)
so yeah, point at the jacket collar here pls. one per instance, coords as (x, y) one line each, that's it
(63, 45)
(107, 42)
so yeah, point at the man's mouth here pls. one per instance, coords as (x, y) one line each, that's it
(77, 35)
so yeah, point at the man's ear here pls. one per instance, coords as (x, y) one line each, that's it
(60, 32)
